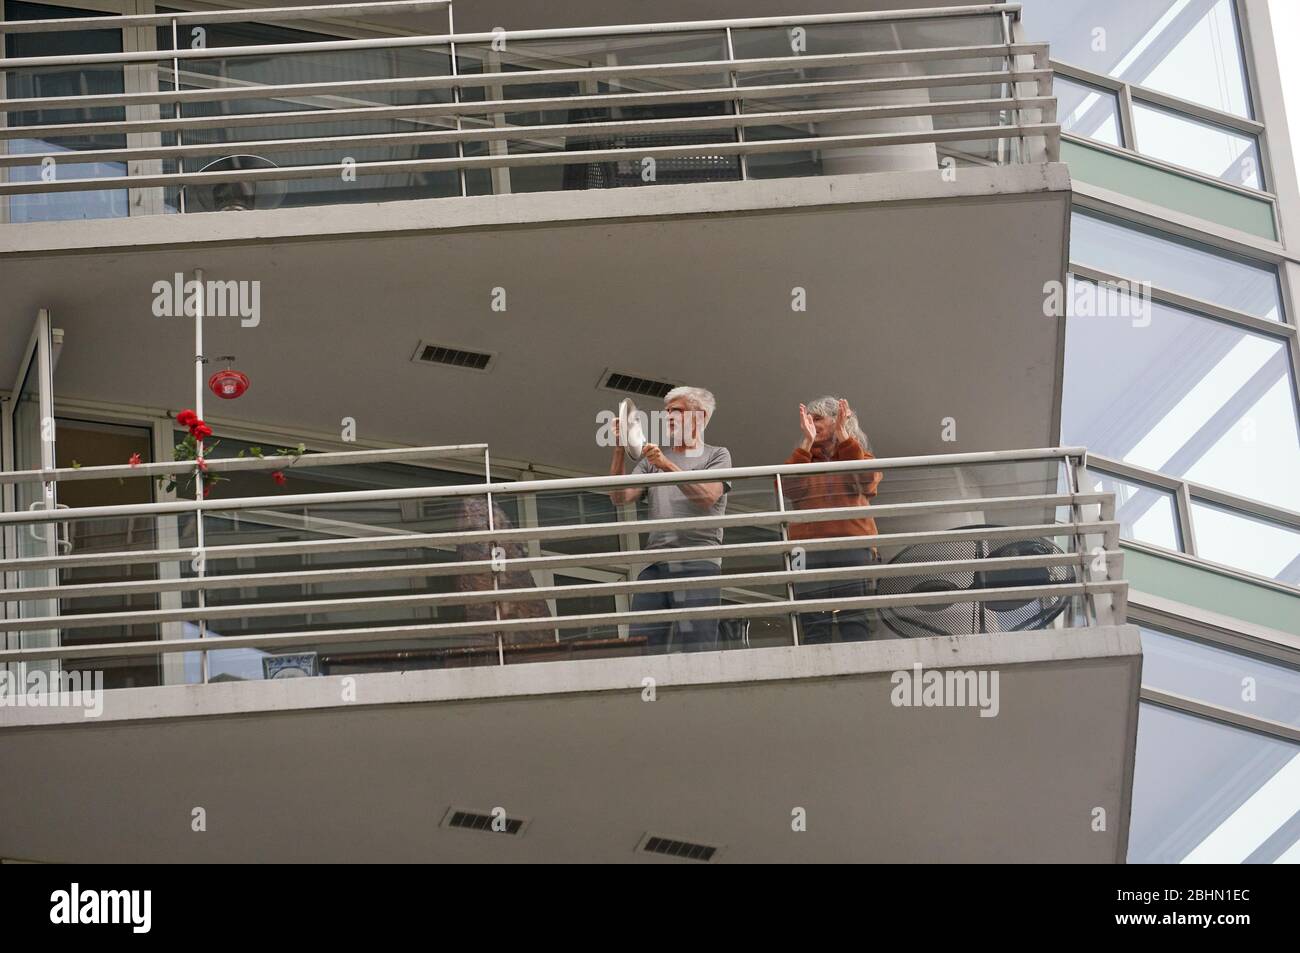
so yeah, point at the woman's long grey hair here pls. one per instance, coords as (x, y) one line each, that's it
(830, 407)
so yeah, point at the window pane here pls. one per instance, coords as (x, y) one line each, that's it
(1217, 676)
(1202, 146)
(54, 81)
(1206, 792)
(1186, 48)
(1175, 264)
(1247, 542)
(1087, 111)
(1145, 513)
(1182, 394)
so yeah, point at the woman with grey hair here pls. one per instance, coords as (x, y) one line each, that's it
(831, 431)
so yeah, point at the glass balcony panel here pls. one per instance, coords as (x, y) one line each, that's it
(524, 56)
(1220, 677)
(1145, 513)
(227, 72)
(315, 525)
(87, 443)
(1175, 264)
(1247, 542)
(1204, 147)
(1088, 111)
(45, 82)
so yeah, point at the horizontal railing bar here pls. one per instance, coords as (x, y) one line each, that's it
(509, 651)
(247, 610)
(440, 541)
(226, 464)
(707, 94)
(365, 635)
(494, 133)
(595, 560)
(464, 81)
(512, 36)
(269, 14)
(518, 487)
(1043, 455)
(243, 15)
(759, 147)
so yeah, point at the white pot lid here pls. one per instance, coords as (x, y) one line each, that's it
(629, 427)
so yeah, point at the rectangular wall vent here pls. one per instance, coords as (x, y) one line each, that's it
(669, 847)
(427, 353)
(478, 821)
(632, 384)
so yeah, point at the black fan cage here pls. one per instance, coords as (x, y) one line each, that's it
(678, 170)
(971, 617)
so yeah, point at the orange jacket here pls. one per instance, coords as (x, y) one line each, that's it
(823, 490)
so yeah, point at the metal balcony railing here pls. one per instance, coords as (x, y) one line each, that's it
(252, 126)
(432, 575)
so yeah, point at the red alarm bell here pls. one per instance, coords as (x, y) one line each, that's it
(228, 384)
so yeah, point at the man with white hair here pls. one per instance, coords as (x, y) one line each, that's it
(687, 411)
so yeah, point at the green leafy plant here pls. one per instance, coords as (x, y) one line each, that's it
(189, 447)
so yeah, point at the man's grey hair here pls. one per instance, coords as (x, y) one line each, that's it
(830, 407)
(697, 397)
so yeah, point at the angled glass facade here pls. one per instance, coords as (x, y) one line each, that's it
(1180, 378)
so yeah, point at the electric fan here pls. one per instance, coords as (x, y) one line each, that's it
(238, 196)
(971, 617)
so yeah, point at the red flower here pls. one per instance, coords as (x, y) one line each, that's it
(207, 490)
(135, 459)
(279, 477)
(187, 418)
(200, 431)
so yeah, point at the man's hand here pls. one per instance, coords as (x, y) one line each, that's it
(656, 458)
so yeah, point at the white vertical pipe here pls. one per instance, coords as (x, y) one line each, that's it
(201, 569)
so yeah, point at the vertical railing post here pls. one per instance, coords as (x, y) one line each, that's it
(1042, 87)
(1128, 124)
(455, 98)
(176, 114)
(738, 106)
(492, 554)
(1101, 607)
(1009, 26)
(1077, 543)
(785, 555)
(200, 566)
(1183, 512)
(1116, 602)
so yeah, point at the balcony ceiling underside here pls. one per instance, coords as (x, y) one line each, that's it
(917, 311)
(592, 767)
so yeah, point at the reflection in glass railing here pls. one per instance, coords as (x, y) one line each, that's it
(406, 569)
(606, 107)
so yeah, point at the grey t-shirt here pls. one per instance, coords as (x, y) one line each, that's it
(669, 502)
